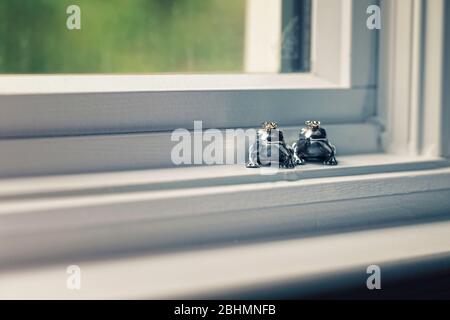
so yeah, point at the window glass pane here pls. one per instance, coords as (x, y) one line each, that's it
(296, 35)
(153, 36)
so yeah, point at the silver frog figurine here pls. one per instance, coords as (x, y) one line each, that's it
(313, 145)
(270, 142)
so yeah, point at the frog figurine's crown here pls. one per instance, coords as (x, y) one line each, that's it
(312, 124)
(269, 125)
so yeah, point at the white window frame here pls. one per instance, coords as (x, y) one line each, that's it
(335, 39)
(342, 92)
(115, 114)
(154, 103)
(76, 217)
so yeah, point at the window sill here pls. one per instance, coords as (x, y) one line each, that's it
(63, 84)
(206, 176)
(314, 265)
(49, 219)
(136, 151)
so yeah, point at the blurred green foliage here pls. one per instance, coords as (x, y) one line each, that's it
(122, 36)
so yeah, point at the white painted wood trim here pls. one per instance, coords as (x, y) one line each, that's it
(208, 272)
(411, 77)
(446, 83)
(395, 74)
(344, 50)
(290, 187)
(93, 104)
(364, 48)
(98, 83)
(101, 113)
(331, 40)
(433, 90)
(88, 217)
(194, 177)
(263, 36)
(337, 32)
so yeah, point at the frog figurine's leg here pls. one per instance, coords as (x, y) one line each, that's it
(286, 157)
(253, 156)
(298, 160)
(331, 161)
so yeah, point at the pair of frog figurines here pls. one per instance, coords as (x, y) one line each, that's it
(312, 146)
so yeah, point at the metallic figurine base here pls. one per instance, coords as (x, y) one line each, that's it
(313, 146)
(270, 149)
